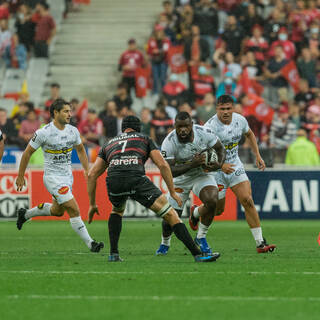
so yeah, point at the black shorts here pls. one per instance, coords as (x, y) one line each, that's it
(138, 188)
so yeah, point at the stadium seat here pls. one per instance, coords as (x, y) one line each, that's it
(7, 104)
(12, 81)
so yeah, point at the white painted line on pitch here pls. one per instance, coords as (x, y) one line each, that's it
(161, 272)
(165, 298)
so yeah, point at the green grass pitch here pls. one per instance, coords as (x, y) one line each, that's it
(47, 273)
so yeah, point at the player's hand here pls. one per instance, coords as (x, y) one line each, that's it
(227, 168)
(198, 160)
(20, 183)
(92, 211)
(176, 198)
(260, 163)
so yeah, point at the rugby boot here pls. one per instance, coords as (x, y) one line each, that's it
(96, 246)
(114, 257)
(203, 245)
(193, 222)
(163, 250)
(21, 219)
(264, 247)
(207, 257)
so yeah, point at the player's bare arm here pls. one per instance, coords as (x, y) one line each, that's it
(180, 169)
(255, 149)
(95, 172)
(81, 151)
(166, 174)
(20, 182)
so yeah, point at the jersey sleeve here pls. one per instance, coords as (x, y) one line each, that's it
(152, 145)
(211, 138)
(77, 138)
(37, 140)
(244, 125)
(167, 149)
(102, 154)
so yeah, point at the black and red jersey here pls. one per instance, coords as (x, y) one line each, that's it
(127, 153)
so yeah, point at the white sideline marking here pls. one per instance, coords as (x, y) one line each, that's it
(160, 272)
(164, 298)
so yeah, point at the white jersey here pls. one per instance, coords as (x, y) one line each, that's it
(184, 152)
(57, 146)
(229, 134)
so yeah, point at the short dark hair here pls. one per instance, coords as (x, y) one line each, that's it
(55, 85)
(44, 4)
(183, 116)
(74, 100)
(2, 109)
(58, 106)
(225, 98)
(131, 122)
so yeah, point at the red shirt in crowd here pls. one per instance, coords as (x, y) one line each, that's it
(201, 86)
(174, 88)
(4, 12)
(132, 58)
(44, 28)
(259, 46)
(95, 127)
(153, 49)
(287, 46)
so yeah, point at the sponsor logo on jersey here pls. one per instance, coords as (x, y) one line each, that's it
(40, 205)
(220, 187)
(231, 146)
(239, 172)
(125, 162)
(63, 190)
(34, 137)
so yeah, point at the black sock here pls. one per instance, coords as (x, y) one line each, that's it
(166, 229)
(115, 225)
(183, 235)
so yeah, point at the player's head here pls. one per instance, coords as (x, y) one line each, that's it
(225, 108)
(131, 122)
(183, 126)
(60, 110)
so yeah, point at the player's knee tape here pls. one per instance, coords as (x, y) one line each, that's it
(164, 210)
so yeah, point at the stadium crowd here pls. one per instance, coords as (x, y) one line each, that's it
(265, 53)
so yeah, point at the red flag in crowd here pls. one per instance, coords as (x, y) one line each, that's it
(290, 72)
(142, 81)
(82, 112)
(259, 109)
(177, 61)
(247, 85)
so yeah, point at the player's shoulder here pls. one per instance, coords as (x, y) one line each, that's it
(239, 119)
(45, 130)
(71, 128)
(170, 138)
(211, 121)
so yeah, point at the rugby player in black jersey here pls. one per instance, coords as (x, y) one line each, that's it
(124, 156)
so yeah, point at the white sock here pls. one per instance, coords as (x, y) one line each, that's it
(166, 241)
(257, 235)
(79, 227)
(43, 209)
(202, 231)
(196, 213)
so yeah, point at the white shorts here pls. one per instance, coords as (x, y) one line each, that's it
(226, 181)
(196, 184)
(59, 187)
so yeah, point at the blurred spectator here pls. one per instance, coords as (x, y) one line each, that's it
(5, 36)
(171, 13)
(4, 10)
(253, 66)
(312, 116)
(307, 67)
(109, 119)
(45, 31)
(302, 151)
(15, 54)
(233, 36)
(157, 49)
(304, 96)
(29, 126)
(21, 114)
(91, 129)
(283, 130)
(75, 105)
(145, 116)
(121, 98)
(161, 125)
(207, 109)
(273, 26)
(312, 41)
(54, 95)
(185, 107)
(196, 50)
(174, 91)
(167, 29)
(207, 19)
(227, 86)
(202, 83)
(257, 43)
(294, 112)
(226, 63)
(25, 26)
(129, 61)
(273, 72)
(9, 131)
(283, 41)
(251, 18)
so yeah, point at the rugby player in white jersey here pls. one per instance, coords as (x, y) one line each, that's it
(230, 127)
(182, 149)
(57, 139)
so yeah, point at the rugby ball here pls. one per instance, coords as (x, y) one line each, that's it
(211, 157)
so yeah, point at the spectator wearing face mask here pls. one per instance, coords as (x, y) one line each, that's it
(312, 40)
(287, 45)
(174, 91)
(228, 86)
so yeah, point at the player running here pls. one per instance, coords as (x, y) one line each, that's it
(125, 156)
(229, 127)
(182, 149)
(57, 140)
